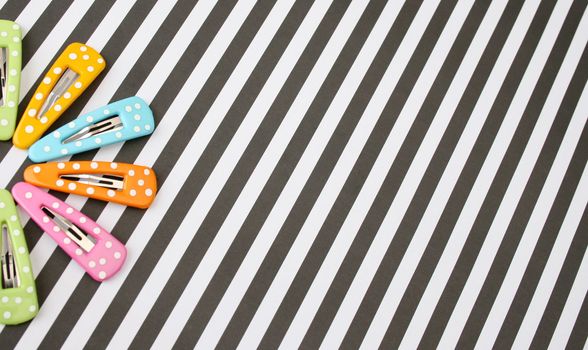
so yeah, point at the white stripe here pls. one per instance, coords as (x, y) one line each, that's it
(459, 157)
(511, 198)
(250, 193)
(570, 312)
(30, 14)
(543, 204)
(555, 261)
(145, 229)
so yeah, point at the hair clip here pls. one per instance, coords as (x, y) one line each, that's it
(10, 63)
(18, 295)
(90, 245)
(76, 67)
(122, 183)
(119, 121)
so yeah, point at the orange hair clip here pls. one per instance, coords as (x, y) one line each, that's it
(76, 67)
(122, 183)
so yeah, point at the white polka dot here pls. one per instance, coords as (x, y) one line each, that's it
(46, 219)
(2, 205)
(57, 107)
(141, 182)
(12, 217)
(7, 315)
(37, 169)
(67, 95)
(113, 165)
(71, 125)
(57, 70)
(98, 140)
(100, 60)
(11, 104)
(83, 48)
(28, 195)
(78, 84)
(32, 308)
(3, 122)
(96, 230)
(73, 56)
(137, 117)
(86, 57)
(131, 172)
(90, 190)
(106, 111)
(47, 149)
(117, 255)
(55, 228)
(78, 251)
(16, 232)
(137, 128)
(133, 193)
(4, 33)
(118, 135)
(46, 80)
(108, 244)
(11, 88)
(102, 261)
(15, 53)
(110, 193)
(30, 289)
(66, 240)
(69, 210)
(64, 151)
(32, 112)
(90, 69)
(39, 96)
(59, 182)
(92, 263)
(147, 127)
(26, 269)
(55, 205)
(128, 108)
(102, 274)
(89, 119)
(21, 250)
(137, 105)
(44, 120)
(61, 165)
(56, 134)
(18, 300)
(149, 192)
(78, 143)
(146, 172)
(13, 72)
(94, 165)
(83, 219)
(15, 26)
(5, 299)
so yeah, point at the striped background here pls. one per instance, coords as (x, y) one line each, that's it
(338, 173)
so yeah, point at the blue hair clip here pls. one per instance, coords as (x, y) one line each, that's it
(119, 121)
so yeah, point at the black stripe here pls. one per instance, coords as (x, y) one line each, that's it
(536, 265)
(488, 210)
(12, 9)
(563, 285)
(579, 333)
(120, 305)
(532, 190)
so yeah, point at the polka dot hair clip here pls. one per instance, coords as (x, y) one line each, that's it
(119, 121)
(90, 245)
(10, 64)
(18, 295)
(76, 67)
(122, 183)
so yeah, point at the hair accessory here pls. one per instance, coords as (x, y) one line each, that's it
(122, 183)
(10, 63)
(18, 295)
(119, 121)
(90, 245)
(76, 67)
